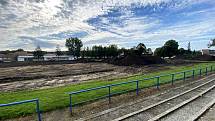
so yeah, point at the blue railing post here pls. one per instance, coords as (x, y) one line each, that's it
(206, 73)
(109, 94)
(184, 75)
(158, 82)
(137, 87)
(26, 101)
(38, 110)
(193, 73)
(173, 76)
(70, 103)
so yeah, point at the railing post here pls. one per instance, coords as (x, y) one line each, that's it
(193, 73)
(211, 68)
(206, 73)
(173, 76)
(109, 94)
(70, 103)
(38, 110)
(200, 71)
(184, 75)
(137, 88)
(158, 82)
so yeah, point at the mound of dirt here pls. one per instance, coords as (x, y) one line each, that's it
(196, 57)
(136, 60)
(205, 58)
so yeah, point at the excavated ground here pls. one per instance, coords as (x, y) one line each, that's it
(48, 76)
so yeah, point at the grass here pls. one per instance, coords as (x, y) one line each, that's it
(55, 98)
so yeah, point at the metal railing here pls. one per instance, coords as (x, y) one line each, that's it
(24, 102)
(156, 81)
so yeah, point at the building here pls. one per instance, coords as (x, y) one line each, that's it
(25, 58)
(47, 57)
(208, 52)
(53, 57)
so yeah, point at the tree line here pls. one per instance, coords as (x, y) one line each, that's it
(75, 48)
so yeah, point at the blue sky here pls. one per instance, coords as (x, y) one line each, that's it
(28, 23)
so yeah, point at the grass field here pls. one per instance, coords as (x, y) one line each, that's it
(55, 98)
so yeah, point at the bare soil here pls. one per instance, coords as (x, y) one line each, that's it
(48, 76)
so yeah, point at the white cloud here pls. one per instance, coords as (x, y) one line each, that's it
(42, 18)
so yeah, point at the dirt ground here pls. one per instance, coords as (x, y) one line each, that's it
(46, 76)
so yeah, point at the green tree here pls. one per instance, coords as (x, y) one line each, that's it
(83, 53)
(58, 51)
(74, 46)
(189, 47)
(181, 51)
(161, 51)
(19, 50)
(112, 50)
(211, 43)
(171, 48)
(38, 53)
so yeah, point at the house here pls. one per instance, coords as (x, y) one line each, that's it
(2, 57)
(25, 58)
(46, 57)
(53, 57)
(7, 57)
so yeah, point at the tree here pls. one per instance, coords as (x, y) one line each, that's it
(181, 51)
(83, 53)
(58, 51)
(38, 53)
(112, 50)
(74, 46)
(161, 51)
(211, 43)
(171, 48)
(19, 50)
(189, 47)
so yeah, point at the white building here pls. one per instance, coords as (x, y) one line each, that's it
(208, 52)
(25, 58)
(47, 57)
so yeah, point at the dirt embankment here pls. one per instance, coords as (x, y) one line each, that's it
(47, 76)
(48, 71)
(130, 60)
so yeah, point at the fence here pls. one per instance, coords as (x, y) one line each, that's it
(26, 101)
(113, 89)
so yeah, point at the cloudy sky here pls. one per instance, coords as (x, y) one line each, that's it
(28, 23)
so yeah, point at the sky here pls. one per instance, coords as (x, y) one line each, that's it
(48, 23)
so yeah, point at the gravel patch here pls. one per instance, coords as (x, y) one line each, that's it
(190, 109)
(167, 105)
(209, 115)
